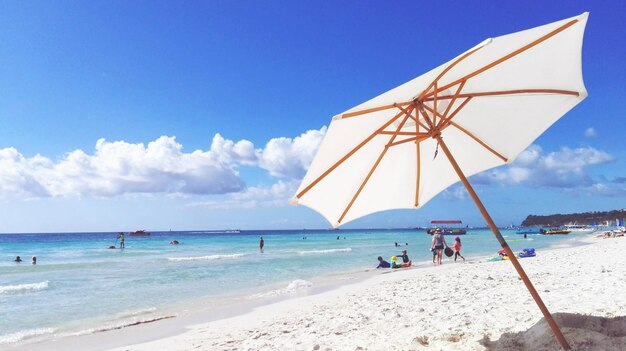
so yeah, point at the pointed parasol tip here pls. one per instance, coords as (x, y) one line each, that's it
(293, 201)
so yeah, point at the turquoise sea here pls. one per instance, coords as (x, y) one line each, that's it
(79, 286)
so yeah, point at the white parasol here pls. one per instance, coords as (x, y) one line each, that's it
(480, 110)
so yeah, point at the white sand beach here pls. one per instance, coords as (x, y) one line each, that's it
(457, 306)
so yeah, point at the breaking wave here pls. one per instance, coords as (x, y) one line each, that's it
(317, 252)
(205, 258)
(294, 287)
(11, 289)
(24, 334)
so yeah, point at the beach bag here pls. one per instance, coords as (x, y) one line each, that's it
(448, 251)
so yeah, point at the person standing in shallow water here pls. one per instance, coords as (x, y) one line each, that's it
(121, 237)
(34, 261)
(261, 244)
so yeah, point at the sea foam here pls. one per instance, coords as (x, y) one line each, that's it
(24, 334)
(294, 287)
(317, 252)
(11, 289)
(205, 258)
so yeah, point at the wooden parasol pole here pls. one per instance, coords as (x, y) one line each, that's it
(505, 246)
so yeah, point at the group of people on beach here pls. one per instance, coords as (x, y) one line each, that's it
(438, 243)
(18, 259)
(406, 262)
(436, 247)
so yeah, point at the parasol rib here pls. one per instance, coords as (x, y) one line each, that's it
(449, 122)
(348, 155)
(507, 92)
(426, 94)
(504, 58)
(435, 105)
(417, 167)
(456, 95)
(369, 175)
(426, 117)
(448, 69)
(482, 143)
(386, 132)
(410, 114)
(416, 139)
(446, 120)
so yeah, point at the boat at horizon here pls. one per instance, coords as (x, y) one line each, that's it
(556, 231)
(139, 233)
(446, 230)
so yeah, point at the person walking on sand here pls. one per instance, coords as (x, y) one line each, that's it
(121, 237)
(261, 244)
(438, 244)
(457, 248)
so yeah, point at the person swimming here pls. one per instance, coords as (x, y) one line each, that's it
(17, 259)
(174, 242)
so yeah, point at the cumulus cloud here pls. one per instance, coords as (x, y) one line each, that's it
(290, 158)
(590, 133)
(565, 168)
(117, 168)
(456, 192)
(276, 195)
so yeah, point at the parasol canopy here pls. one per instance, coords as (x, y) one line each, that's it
(488, 105)
(482, 109)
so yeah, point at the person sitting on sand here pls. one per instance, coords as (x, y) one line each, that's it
(406, 262)
(382, 263)
(457, 248)
(394, 262)
(17, 259)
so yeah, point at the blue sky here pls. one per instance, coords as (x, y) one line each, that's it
(122, 115)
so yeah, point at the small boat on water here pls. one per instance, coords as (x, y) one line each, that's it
(556, 231)
(447, 230)
(139, 233)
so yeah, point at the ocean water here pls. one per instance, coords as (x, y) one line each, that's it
(80, 286)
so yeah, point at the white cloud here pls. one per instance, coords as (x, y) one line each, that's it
(117, 168)
(276, 195)
(565, 168)
(456, 192)
(290, 158)
(590, 133)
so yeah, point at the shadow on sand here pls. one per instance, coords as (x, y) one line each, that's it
(583, 332)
